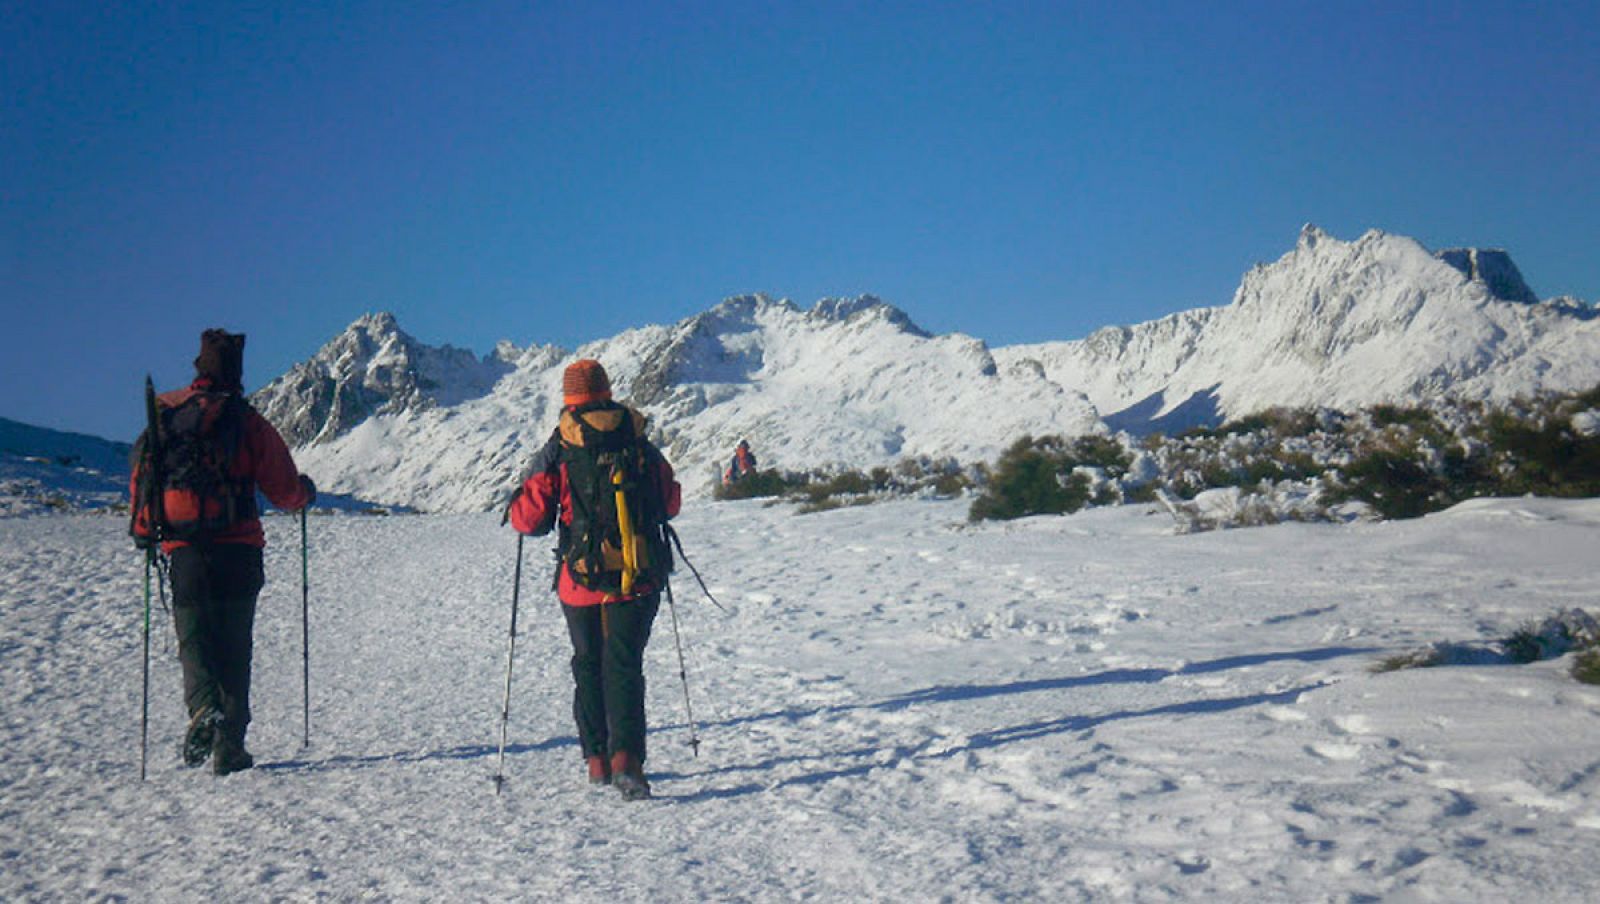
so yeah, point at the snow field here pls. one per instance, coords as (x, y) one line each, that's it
(898, 706)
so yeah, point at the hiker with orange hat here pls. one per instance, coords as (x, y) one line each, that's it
(608, 491)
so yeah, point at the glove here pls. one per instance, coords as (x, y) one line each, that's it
(310, 488)
(506, 514)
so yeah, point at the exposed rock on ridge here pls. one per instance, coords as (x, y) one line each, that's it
(372, 368)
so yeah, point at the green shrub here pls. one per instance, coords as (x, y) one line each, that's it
(1524, 646)
(844, 483)
(1101, 452)
(1589, 398)
(1280, 422)
(952, 484)
(1425, 658)
(1395, 415)
(1547, 459)
(1586, 666)
(819, 505)
(770, 482)
(1393, 484)
(1033, 477)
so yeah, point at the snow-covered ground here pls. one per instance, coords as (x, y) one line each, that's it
(899, 707)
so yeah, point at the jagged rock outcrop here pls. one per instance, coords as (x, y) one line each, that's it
(372, 368)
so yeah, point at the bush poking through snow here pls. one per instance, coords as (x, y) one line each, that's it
(1313, 464)
(820, 491)
(1283, 464)
(1556, 636)
(760, 484)
(1570, 631)
(1052, 475)
(1586, 666)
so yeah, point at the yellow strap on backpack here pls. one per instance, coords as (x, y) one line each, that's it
(630, 563)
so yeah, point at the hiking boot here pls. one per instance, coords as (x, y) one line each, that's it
(599, 770)
(201, 735)
(230, 757)
(627, 776)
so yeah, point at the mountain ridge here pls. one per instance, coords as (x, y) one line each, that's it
(1335, 324)
(846, 382)
(855, 382)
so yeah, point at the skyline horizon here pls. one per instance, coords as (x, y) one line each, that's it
(171, 374)
(558, 174)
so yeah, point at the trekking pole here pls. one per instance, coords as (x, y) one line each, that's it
(305, 632)
(683, 672)
(144, 714)
(673, 536)
(511, 653)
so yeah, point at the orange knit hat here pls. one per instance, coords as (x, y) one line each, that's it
(584, 381)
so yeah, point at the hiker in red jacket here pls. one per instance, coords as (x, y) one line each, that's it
(198, 499)
(742, 465)
(609, 491)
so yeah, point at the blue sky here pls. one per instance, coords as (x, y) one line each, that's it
(547, 172)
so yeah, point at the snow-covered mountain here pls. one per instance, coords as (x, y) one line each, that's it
(856, 383)
(847, 382)
(1336, 324)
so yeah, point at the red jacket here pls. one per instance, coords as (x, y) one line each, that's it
(262, 458)
(546, 497)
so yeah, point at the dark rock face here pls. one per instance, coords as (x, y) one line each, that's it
(1493, 268)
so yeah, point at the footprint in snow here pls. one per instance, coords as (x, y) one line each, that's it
(1338, 753)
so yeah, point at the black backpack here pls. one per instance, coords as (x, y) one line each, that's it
(616, 538)
(184, 489)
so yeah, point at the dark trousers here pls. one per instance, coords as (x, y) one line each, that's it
(608, 669)
(214, 591)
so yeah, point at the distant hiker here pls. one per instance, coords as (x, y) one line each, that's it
(742, 465)
(609, 491)
(194, 492)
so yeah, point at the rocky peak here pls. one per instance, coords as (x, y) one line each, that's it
(1311, 235)
(862, 307)
(372, 367)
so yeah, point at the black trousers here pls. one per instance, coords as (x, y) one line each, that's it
(608, 644)
(214, 590)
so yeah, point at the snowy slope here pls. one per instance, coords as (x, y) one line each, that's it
(900, 708)
(77, 450)
(43, 469)
(845, 383)
(1335, 324)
